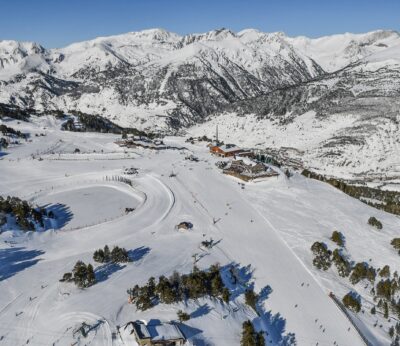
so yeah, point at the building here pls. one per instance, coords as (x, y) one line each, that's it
(143, 142)
(226, 150)
(249, 170)
(156, 333)
(184, 225)
(247, 153)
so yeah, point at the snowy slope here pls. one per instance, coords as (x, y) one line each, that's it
(265, 229)
(337, 51)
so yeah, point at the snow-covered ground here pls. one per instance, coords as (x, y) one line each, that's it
(306, 139)
(265, 229)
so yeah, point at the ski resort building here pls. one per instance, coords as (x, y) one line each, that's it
(156, 333)
(226, 150)
(184, 226)
(143, 142)
(249, 170)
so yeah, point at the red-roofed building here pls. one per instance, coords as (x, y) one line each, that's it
(226, 150)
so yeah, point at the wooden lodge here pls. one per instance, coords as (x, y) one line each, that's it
(249, 171)
(156, 333)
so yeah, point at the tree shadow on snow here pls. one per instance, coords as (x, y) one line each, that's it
(276, 326)
(62, 214)
(264, 293)
(237, 278)
(103, 272)
(95, 326)
(13, 260)
(200, 311)
(139, 253)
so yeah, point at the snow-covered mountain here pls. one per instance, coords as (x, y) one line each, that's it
(342, 89)
(337, 51)
(142, 76)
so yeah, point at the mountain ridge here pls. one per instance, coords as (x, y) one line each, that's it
(155, 80)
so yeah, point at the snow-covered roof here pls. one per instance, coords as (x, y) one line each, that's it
(227, 148)
(156, 330)
(142, 328)
(164, 331)
(247, 167)
(248, 161)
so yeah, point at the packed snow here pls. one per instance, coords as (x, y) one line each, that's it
(264, 230)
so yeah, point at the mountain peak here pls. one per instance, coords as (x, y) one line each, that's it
(214, 35)
(156, 34)
(25, 47)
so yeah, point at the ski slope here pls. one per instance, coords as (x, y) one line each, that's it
(265, 230)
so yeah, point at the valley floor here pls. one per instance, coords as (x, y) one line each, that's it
(264, 230)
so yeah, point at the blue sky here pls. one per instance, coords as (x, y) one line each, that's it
(55, 23)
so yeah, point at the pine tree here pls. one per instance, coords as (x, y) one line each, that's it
(98, 256)
(342, 265)
(397, 328)
(260, 341)
(183, 316)
(385, 272)
(322, 259)
(251, 298)
(66, 277)
(396, 341)
(385, 310)
(362, 271)
(119, 255)
(79, 272)
(226, 295)
(83, 275)
(107, 256)
(396, 243)
(373, 221)
(143, 302)
(351, 302)
(384, 289)
(216, 285)
(250, 337)
(151, 285)
(91, 277)
(337, 237)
